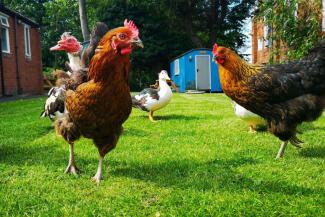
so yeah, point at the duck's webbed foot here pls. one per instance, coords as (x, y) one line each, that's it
(151, 117)
(252, 129)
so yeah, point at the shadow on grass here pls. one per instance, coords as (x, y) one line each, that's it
(134, 132)
(48, 155)
(216, 175)
(32, 148)
(173, 117)
(309, 127)
(313, 152)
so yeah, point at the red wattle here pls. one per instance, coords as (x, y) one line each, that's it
(127, 50)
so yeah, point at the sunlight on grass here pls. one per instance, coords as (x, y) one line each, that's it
(197, 160)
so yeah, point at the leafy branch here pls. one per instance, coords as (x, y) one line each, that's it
(295, 26)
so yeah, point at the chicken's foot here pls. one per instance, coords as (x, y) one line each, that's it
(151, 116)
(72, 168)
(282, 149)
(98, 175)
(296, 142)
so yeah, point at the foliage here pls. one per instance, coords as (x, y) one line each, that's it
(295, 24)
(198, 160)
(161, 42)
(48, 72)
(167, 28)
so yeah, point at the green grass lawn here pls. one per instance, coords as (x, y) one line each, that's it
(198, 160)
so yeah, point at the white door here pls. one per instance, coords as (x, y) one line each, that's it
(202, 67)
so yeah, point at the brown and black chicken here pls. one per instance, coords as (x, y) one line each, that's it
(285, 95)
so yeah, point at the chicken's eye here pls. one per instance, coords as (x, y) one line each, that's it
(122, 36)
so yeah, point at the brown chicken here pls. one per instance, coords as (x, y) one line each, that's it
(99, 107)
(285, 95)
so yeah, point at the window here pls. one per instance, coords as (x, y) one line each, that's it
(259, 44)
(27, 40)
(323, 23)
(176, 67)
(266, 36)
(296, 10)
(4, 24)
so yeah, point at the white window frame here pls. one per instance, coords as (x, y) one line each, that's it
(296, 10)
(265, 35)
(323, 20)
(28, 52)
(5, 26)
(176, 67)
(260, 44)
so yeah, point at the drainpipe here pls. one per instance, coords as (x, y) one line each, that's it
(1, 65)
(16, 56)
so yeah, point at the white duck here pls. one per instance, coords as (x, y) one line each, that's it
(254, 121)
(150, 99)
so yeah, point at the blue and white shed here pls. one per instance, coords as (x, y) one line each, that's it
(195, 70)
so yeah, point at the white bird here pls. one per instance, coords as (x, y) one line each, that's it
(253, 120)
(150, 99)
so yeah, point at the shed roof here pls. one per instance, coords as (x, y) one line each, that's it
(10, 12)
(195, 49)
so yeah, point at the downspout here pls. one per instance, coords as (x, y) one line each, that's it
(16, 56)
(1, 66)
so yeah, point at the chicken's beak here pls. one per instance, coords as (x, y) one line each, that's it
(137, 42)
(214, 58)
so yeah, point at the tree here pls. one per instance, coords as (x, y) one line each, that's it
(167, 28)
(83, 20)
(210, 21)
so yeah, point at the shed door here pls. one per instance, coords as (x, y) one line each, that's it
(202, 65)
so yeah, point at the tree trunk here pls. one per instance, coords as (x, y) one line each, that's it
(83, 20)
(188, 21)
(213, 22)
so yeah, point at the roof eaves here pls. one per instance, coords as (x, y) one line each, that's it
(10, 12)
(189, 51)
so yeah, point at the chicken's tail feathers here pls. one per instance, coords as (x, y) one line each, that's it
(99, 30)
(67, 129)
(318, 51)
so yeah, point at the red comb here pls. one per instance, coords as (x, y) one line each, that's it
(132, 27)
(215, 48)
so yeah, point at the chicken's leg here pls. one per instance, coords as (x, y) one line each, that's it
(151, 116)
(282, 149)
(98, 175)
(72, 168)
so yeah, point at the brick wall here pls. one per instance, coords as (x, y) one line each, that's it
(260, 50)
(262, 56)
(30, 69)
